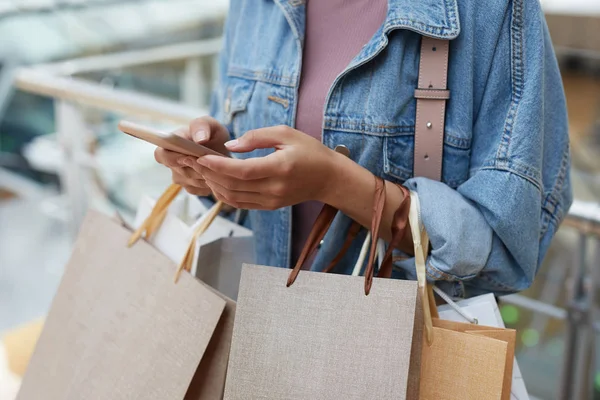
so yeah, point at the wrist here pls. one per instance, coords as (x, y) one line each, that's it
(343, 179)
(330, 178)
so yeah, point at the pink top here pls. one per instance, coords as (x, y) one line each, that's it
(336, 31)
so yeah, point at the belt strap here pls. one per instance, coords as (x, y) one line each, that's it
(431, 98)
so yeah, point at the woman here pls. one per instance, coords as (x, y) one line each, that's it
(344, 72)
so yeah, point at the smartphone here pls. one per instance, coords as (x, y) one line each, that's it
(167, 141)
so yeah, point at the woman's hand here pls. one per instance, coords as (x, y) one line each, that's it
(205, 131)
(301, 169)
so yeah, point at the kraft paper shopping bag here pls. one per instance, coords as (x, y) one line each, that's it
(119, 328)
(484, 310)
(312, 335)
(458, 360)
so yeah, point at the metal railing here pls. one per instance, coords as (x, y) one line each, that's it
(581, 313)
(59, 82)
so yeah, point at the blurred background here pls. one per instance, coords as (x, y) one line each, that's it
(70, 69)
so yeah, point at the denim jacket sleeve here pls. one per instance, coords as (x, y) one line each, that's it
(492, 233)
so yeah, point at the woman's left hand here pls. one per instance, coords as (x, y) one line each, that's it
(301, 169)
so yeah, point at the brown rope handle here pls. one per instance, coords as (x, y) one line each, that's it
(378, 206)
(317, 234)
(324, 221)
(352, 234)
(399, 225)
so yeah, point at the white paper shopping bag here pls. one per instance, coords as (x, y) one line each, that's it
(173, 237)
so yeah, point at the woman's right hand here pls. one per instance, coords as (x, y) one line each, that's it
(185, 170)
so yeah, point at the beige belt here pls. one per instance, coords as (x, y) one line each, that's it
(431, 96)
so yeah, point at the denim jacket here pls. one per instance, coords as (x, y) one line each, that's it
(506, 184)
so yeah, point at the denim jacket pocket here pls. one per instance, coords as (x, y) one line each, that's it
(398, 156)
(399, 159)
(237, 96)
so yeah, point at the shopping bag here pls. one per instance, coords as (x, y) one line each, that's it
(208, 382)
(218, 251)
(484, 372)
(161, 227)
(118, 327)
(220, 263)
(483, 310)
(458, 360)
(313, 335)
(174, 234)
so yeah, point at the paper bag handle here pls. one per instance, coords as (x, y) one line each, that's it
(324, 221)
(455, 306)
(378, 206)
(188, 258)
(421, 244)
(352, 234)
(156, 217)
(408, 213)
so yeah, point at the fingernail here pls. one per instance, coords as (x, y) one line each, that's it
(188, 162)
(201, 161)
(201, 135)
(231, 144)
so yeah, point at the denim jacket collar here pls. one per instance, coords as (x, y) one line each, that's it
(435, 18)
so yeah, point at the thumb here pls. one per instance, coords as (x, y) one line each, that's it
(201, 130)
(205, 129)
(265, 138)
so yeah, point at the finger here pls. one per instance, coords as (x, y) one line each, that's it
(228, 198)
(235, 184)
(219, 197)
(235, 198)
(191, 182)
(199, 130)
(184, 132)
(249, 169)
(177, 173)
(189, 168)
(192, 174)
(168, 158)
(180, 179)
(191, 163)
(264, 138)
(205, 129)
(253, 206)
(243, 205)
(188, 173)
(198, 191)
